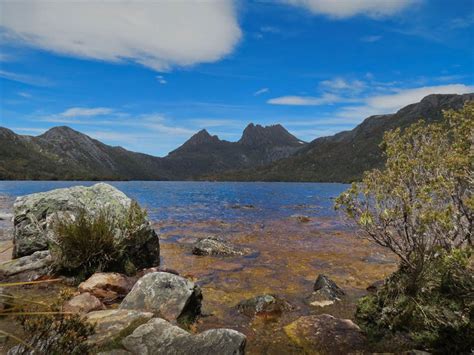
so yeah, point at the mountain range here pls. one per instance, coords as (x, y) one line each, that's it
(262, 154)
(62, 153)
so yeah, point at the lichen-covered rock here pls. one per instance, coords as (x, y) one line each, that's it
(83, 303)
(217, 247)
(27, 268)
(325, 334)
(161, 337)
(166, 295)
(326, 292)
(34, 216)
(114, 324)
(107, 286)
(265, 305)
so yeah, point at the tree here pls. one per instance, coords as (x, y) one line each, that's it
(422, 202)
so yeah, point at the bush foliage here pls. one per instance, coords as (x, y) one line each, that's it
(89, 243)
(421, 207)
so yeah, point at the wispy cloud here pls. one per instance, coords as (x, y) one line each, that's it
(25, 78)
(341, 9)
(340, 84)
(161, 79)
(24, 94)
(86, 112)
(371, 39)
(325, 99)
(261, 91)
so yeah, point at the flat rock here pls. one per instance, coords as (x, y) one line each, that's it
(166, 295)
(107, 286)
(27, 268)
(83, 303)
(325, 292)
(265, 305)
(217, 247)
(114, 324)
(35, 215)
(325, 334)
(161, 337)
(6, 216)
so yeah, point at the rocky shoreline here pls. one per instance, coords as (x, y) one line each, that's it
(233, 296)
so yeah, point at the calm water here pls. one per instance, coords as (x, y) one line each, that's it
(201, 201)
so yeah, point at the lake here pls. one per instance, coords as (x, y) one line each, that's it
(290, 252)
(200, 201)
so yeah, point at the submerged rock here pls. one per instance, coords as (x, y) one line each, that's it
(83, 303)
(161, 337)
(166, 295)
(375, 286)
(265, 305)
(107, 286)
(34, 216)
(325, 334)
(217, 247)
(326, 292)
(112, 325)
(27, 268)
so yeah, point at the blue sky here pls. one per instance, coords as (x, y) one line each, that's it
(146, 75)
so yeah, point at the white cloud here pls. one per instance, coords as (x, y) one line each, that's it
(261, 91)
(347, 8)
(325, 99)
(371, 39)
(339, 84)
(86, 112)
(382, 104)
(161, 79)
(156, 34)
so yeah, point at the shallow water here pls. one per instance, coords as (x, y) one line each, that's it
(289, 254)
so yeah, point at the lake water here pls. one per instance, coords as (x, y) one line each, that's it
(289, 252)
(201, 201)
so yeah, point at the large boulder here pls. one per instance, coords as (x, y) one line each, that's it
(107, 286)
(26, 268)
(166, 295)
(34, 216)
(217, 247)
(114, 324)
(325, 334)
(161, 337)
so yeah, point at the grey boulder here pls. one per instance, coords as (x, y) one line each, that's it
(35, 214)
(158, 336)
(265, 305)
(27, 268)
(166, 295)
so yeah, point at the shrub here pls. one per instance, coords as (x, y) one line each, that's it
(100, 242)
(46, 329)
(421, 207)
(439, 317)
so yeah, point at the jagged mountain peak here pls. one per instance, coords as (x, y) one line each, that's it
(274, 135)
(202, 137)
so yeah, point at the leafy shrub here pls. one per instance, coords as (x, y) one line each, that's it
(439, 317)
(421, 207)
(101, 242)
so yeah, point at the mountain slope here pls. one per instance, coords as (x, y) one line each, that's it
(345, 156)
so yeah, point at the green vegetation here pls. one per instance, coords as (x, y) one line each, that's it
(101, 242)
(45, 328)
(421, 207)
